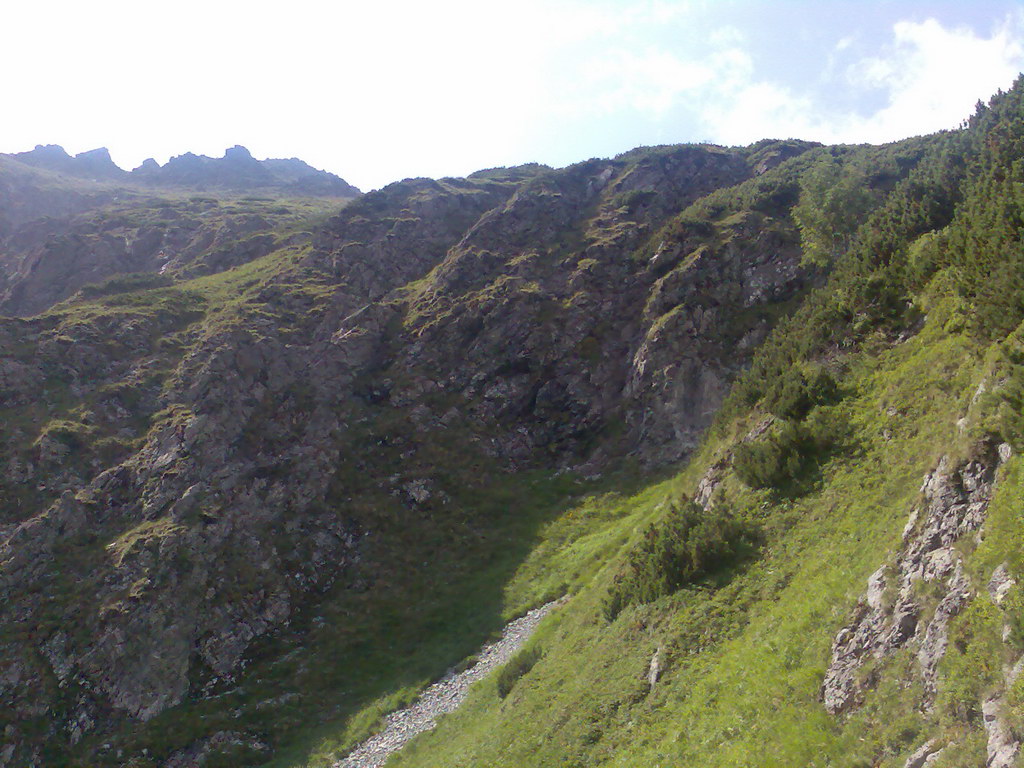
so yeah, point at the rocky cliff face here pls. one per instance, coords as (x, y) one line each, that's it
(185, 463)
(49, 260)
(911, 601)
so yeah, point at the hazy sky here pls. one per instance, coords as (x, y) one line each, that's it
(378, 91)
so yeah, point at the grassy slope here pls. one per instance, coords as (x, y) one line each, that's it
(746, 660)
(461, 606)
(576, 549)
(746, 650)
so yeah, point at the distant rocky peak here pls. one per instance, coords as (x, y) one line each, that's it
(45, 152)
(238, 152)
(98, 155)
(98, 164)
(291, 164)
(149, 165)
(95, 164)
(238, 170)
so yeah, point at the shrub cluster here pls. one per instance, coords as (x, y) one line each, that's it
(633, 199)
(126, 283)
(788, 452)
(1002, 402)
(688, 544)
(794, 394)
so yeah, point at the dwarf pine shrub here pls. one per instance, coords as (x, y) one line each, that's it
(689, 543)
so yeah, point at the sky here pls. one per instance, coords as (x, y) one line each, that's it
(381, 91)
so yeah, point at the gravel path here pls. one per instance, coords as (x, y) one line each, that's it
(443, 696)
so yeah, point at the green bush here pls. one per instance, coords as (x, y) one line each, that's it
(125, 283)
(74, 434)
(773, 461)
(1009, 420)
(1003, 400)
(517, 666)
(633, 200)
(788, 452)
(834, 200)
(688, 544)
(794, 394)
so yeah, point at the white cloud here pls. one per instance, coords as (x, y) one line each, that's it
(759, 110)
(934, 76)
(651, 82)
(928, 76)
(844, 43)
(931, 77)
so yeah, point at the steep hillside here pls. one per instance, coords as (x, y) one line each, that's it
(28, 194)
(833, 580)
(261, 494)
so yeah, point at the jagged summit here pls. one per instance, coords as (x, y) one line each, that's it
(148, 165)
(98, 164)
(237, 170)
(94, 164)
(237, 153)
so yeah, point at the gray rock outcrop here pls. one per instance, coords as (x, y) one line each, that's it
(890, 616)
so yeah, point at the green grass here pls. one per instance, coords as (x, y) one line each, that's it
(500, 585)
(745, 655)
(444, 580)
(744, 644)
(394, 639)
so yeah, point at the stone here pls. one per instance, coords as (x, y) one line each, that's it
(956, 502)
(1001, 747)
(1000, 584)
(655, 669)
(923, 755)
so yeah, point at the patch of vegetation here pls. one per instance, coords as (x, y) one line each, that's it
(72, 434)
(687, 544)
(126, 283)
(784, 455)
(833, 203)
(632, 200)
(517, 666)
(972, 667)
(794, 394)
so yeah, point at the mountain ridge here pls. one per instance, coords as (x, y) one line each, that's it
(256, 501)
(237, 170)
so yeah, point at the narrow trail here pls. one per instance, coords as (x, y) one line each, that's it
(443, 696)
